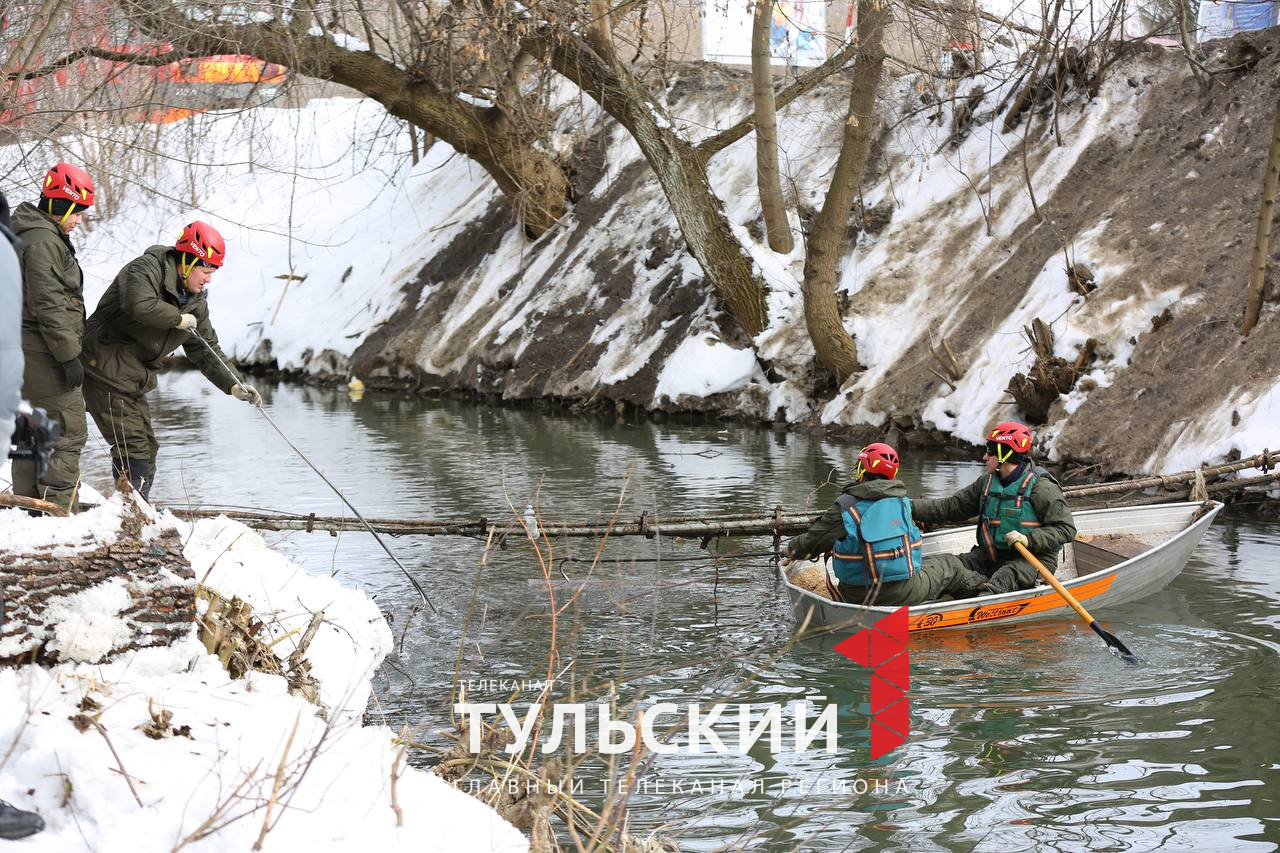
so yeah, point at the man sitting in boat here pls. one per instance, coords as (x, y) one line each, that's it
(1015, 501)
(873, 543)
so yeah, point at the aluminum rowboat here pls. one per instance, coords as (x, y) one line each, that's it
(1119, 555)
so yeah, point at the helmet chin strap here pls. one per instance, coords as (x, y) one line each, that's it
(186, 269)
(65, 216)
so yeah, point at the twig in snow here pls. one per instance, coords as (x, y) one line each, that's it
(214, 821)
(397, 768)
(276, 785)
(127, 778)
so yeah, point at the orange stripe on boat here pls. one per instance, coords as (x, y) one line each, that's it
(1004, 609)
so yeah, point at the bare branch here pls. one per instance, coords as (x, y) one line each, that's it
(97, 53)
(713, 145)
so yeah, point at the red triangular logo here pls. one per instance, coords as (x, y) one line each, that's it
(883, 740)
(895, 625)
(895, 670)
(895, 717)
(882, 648)
(855, 648)
(883, 694)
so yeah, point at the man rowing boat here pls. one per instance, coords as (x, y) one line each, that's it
(1016, 501)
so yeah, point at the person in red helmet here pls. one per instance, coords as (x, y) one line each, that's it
(1015, 501)
(156, 304)
(52, 327)
(873, 543)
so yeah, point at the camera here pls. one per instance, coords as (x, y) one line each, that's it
(34, 434)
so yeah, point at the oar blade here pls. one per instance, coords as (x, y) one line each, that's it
(1117, 648)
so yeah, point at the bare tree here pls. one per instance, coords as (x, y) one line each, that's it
(483, 75)
(1262, 241)
(834, 346)
(767, 177)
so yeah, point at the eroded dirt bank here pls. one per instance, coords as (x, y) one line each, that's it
(1153, 185)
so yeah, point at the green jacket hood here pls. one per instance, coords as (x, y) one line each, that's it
(159, 252)
(872, 490)
(167, 256)
(27, 218)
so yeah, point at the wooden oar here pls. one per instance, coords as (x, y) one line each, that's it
(1110, 639)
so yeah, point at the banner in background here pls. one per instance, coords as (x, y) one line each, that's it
(796, 36)
(1225, 18)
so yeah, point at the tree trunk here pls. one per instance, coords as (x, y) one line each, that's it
(1262, 241)
(679, 167)
(39, 586)
(767, 177)
(833, 345)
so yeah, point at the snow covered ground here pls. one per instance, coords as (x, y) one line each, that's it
(205, 783)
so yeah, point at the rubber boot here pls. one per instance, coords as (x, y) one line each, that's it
(140, 475)
(16, 823)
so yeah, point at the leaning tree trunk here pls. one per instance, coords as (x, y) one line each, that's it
(680, 169)
(1262, 240)
(833, 345)
(92, 603)
(767, 174)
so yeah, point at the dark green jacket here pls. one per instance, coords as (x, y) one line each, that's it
(53, 286)
(829, 528)
(135, 327)
(1057, 527)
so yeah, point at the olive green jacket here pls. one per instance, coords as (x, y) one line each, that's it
(1056, 525)
(829, 528)
(135, 327)
(52, 289)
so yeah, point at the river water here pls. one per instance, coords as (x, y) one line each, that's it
(1022, 738)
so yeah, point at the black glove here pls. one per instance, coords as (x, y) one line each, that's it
(72, 373)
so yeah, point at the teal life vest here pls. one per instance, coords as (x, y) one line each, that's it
(881, 543)
(1005, 509)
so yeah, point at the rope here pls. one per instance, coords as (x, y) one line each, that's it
(320, 473)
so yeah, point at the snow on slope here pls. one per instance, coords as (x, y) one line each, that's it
(609, 302)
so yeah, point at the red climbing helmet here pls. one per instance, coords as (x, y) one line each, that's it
(68, 182)
(203, 241)
(878, 458)
(1008, 438)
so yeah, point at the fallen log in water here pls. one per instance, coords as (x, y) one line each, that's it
(1265, 460)
(777, 523)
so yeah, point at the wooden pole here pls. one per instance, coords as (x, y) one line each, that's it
(1266, 459)
(32, 503)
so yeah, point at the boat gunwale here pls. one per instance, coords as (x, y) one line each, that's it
(1034, 593)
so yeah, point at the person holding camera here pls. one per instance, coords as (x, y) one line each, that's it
(15, 823)
(53, 320)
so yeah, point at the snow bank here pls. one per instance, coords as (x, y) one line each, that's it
(21, 532)
(204, 777)
(703, 366)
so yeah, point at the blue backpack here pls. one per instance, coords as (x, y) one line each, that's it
(881, 543)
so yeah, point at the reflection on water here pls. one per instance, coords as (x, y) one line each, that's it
(1023, 738)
